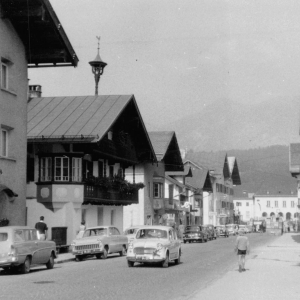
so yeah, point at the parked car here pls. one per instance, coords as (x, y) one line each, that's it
(131, 232)
(213, 230)
(222, 230)
(209, 232)
(20, 249)
(154, 244)
(100, 241)
(244, 227)
(195, 233)
(232, 229)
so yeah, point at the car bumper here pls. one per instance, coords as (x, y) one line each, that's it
(145, 258)
(10, 262)
(193, 238)
(87, 252)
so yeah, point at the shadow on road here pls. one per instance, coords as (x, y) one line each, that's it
(296, 238)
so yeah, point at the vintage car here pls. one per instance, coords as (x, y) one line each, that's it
(222, 230)
(243, 227)
(232, 228)
(99, 241)
(154, 244)
(195, 233)
(131, 232)
(212, 230)
(20, 249)
(209, 231)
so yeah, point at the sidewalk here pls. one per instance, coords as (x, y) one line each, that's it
(272, 272)
(64, 257)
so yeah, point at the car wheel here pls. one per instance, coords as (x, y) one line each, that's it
(177, 261)
(98, 256)
(25, 267)
(50, 262)
(184, 241)
(123, 252)
(104, 254)
(79, 257)
(130, 263)
(165, 263)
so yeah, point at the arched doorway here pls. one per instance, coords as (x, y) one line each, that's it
(296, 215)
(280, 214)
(288, 216)
(264, 214)
(272, 215)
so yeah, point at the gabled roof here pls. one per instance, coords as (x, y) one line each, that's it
(234, 170)
(215, 162)
(41, 32)
(175, 181)
(161, 141)
(187, 172)
(200, 177)
(71, 117)
(295, 158)
(166, 149)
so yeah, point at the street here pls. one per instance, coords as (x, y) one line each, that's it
(201, 264)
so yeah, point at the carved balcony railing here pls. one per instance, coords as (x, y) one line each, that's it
(98, 196)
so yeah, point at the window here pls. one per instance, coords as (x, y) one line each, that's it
(112, 217)
(100, 168)
(284, 203)
(111, 171)
(171, 189)
(76, 169)
(46, 169)
(157, 190)
(4, 142)
(61, 169)
(238, 204)
(268, 204)
(276, 203)
(4, 75)
(292, 204)
(247, 203)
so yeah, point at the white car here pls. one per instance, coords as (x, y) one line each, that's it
(154, 244)
(131, 232)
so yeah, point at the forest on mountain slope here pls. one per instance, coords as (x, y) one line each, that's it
(262, 170)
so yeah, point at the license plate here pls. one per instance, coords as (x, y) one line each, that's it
(142, 257)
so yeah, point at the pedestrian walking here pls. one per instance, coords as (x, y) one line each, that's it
(242, 247)
(81, 230)
(42, 229)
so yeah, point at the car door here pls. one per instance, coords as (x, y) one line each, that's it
(172, 244)
(112, 240)
(119, 239)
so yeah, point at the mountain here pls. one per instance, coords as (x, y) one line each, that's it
(225, 124)
(262, 170)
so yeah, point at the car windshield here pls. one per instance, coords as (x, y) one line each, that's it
(95, 231)
(152, 234)
(3, 236)
(192, 228)
(131, 231)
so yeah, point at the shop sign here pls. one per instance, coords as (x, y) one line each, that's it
(186, 204)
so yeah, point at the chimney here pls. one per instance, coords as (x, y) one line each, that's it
(34, 91)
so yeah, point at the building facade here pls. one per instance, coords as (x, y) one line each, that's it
(17, 54)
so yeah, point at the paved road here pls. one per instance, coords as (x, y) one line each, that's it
(201, 265)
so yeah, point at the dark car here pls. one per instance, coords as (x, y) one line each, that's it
(210, 232)
(213, 231)
(222, 230)
(195, 233)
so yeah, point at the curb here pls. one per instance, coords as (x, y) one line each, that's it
(64, 260)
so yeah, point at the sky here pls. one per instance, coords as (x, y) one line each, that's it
(177, 56)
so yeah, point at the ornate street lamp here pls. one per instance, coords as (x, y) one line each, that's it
(98, 66)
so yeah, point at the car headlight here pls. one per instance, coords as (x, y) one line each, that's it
(100, 244)
(130, 245)
(159, 247)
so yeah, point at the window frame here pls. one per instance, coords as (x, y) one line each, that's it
(157, 194)
(61, 168)
(6, 66)
(44, 175)
(76, 168)
(6, 142)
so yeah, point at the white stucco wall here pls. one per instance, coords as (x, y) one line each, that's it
(13, 113)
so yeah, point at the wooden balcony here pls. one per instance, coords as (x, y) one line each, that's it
(97, 196)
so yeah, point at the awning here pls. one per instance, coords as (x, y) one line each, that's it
(7, 191)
